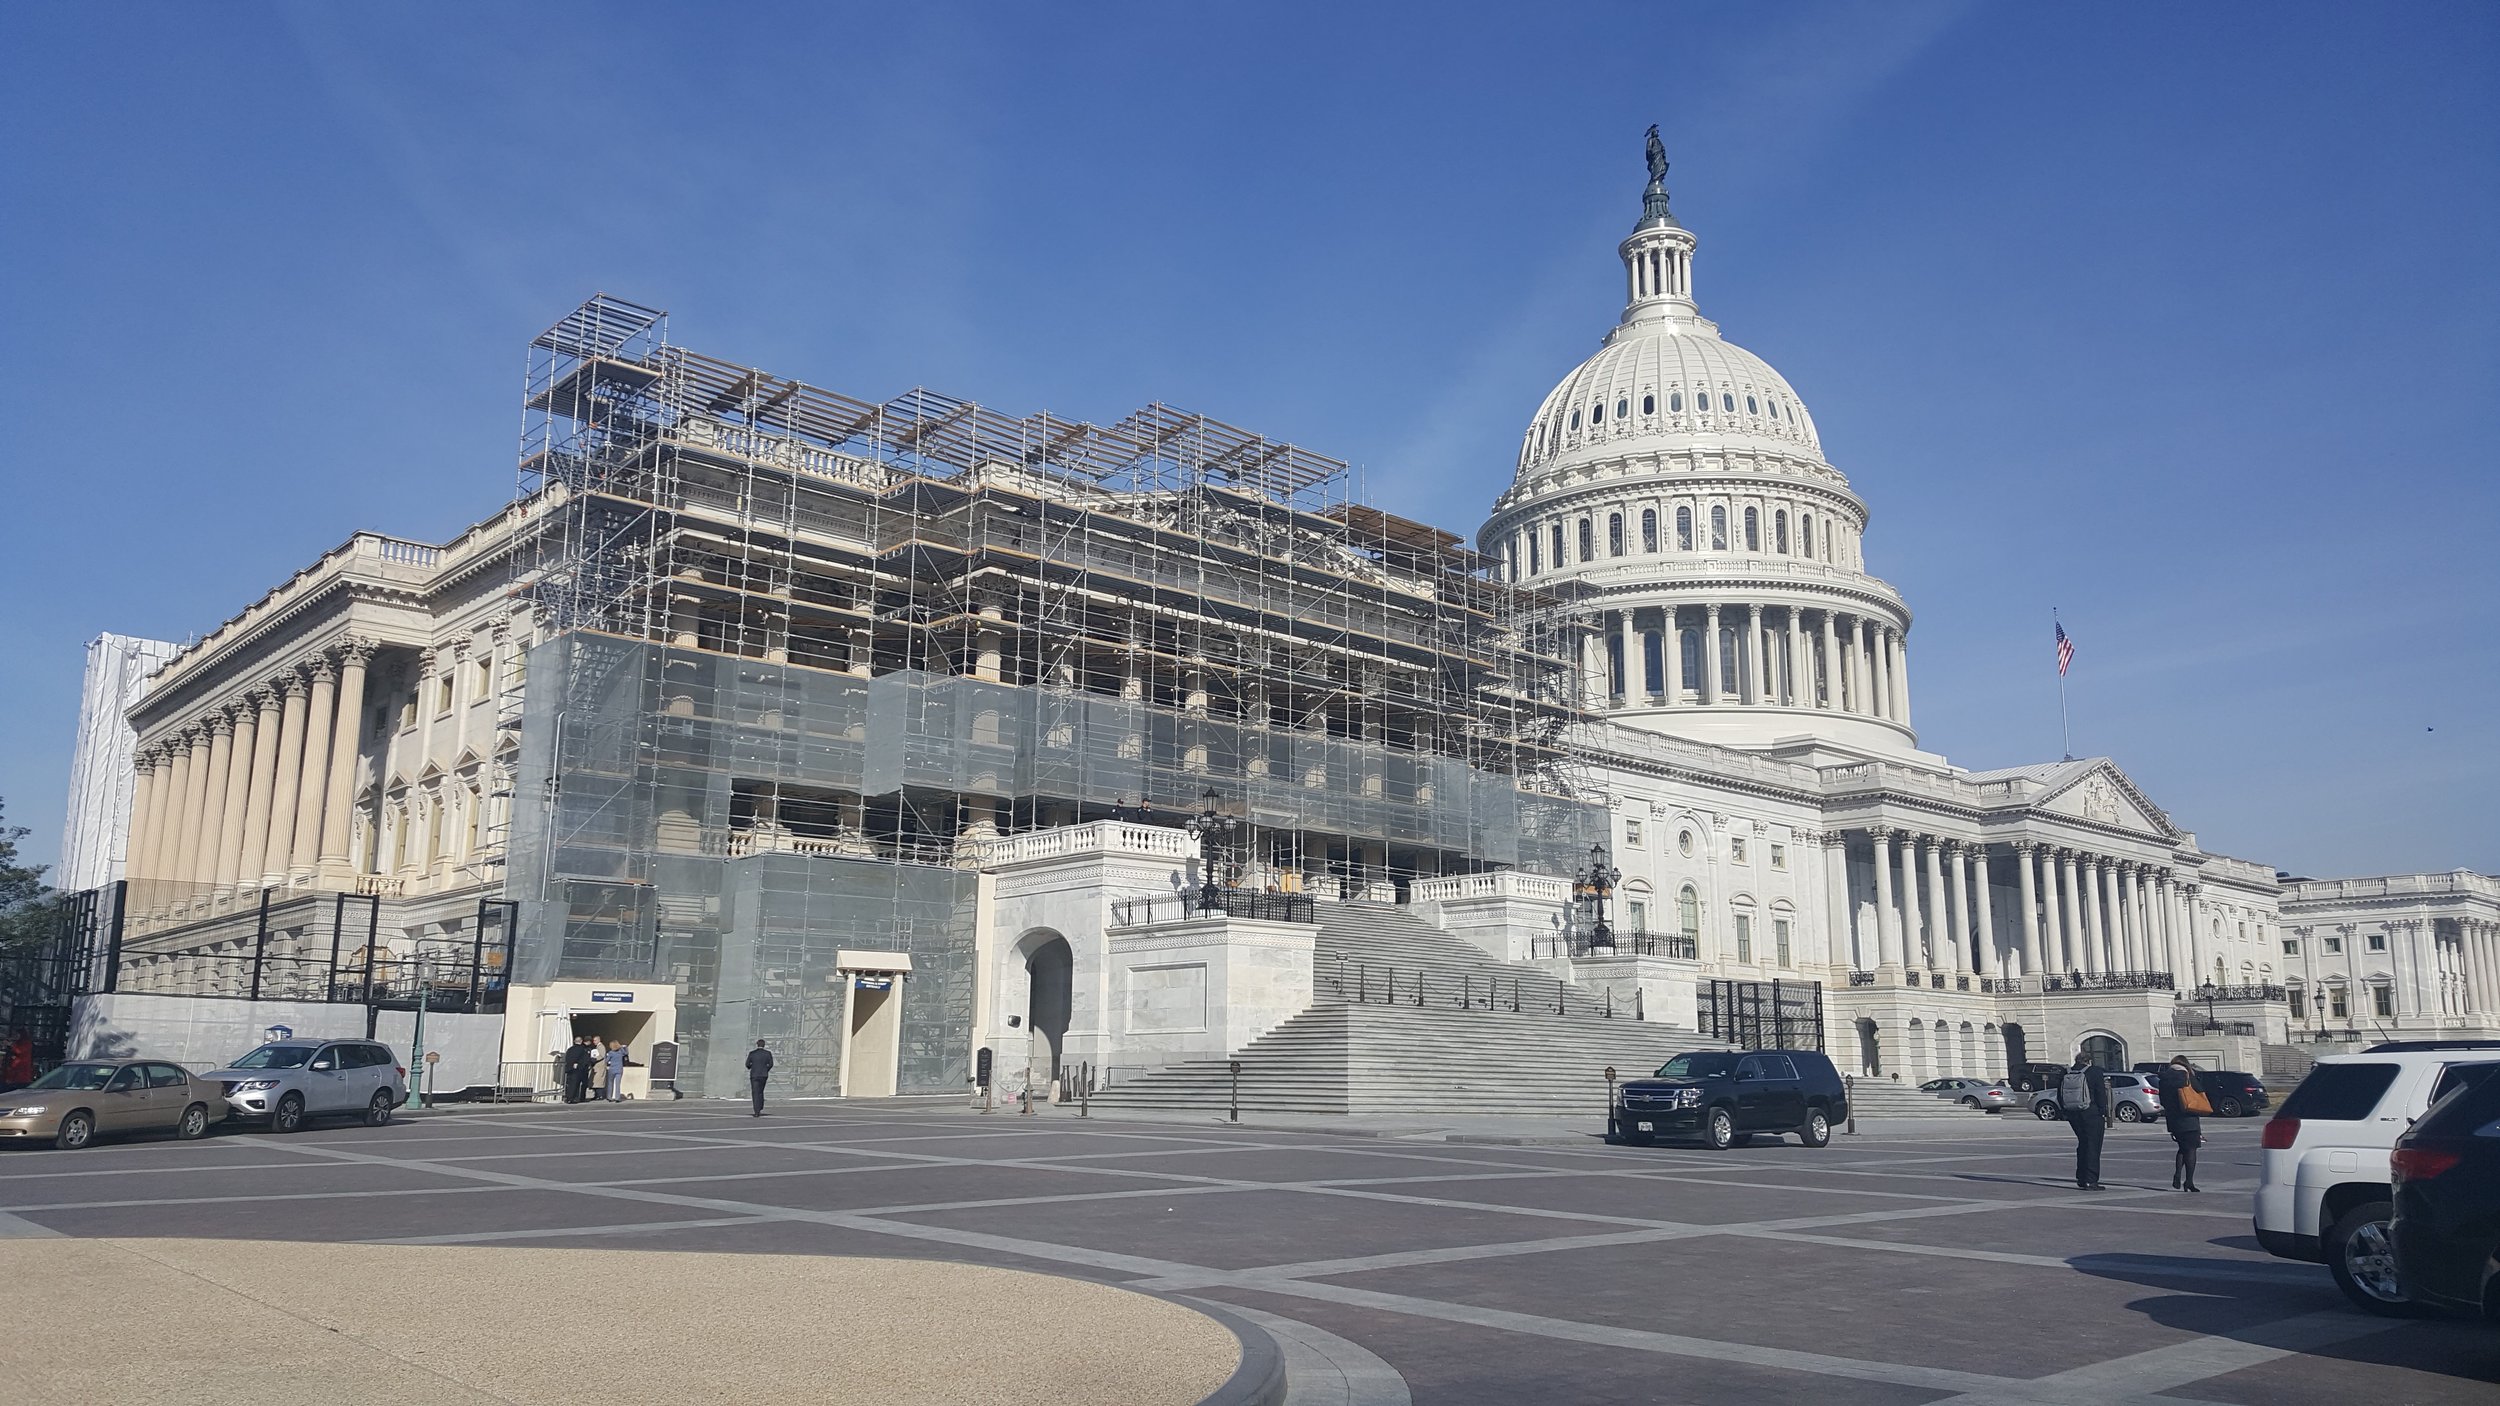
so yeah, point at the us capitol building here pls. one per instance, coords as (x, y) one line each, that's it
(900, 732)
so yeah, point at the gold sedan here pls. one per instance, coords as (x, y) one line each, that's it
(74, 1103)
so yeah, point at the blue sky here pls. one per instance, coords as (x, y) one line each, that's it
(2184, 320)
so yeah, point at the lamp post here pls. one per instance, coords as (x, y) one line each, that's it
(2208, 992)
(1592, 887)
(1207, 827)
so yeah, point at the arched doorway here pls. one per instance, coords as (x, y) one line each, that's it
(2018, 1057)
(1051, 976)
(2107, 1051)
(1870, 1049)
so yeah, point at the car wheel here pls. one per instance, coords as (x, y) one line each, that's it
(288, 1115)
(76, 1131)
(1971, 1103)
(1818, 1130)
(2362, 1256)
(2129, 1113)
(2045, 1110)
(194, 1122)
(1722, 1129)
(378, 1112)
(2227, 1107)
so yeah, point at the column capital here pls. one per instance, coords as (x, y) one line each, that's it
(357, 650)
(1882, 833)
(460, 646)
(322, 668)
(143, 761)
(221, 723)
(1834, 839)
(1953, 846)
(291, 684)
(260, 698)
(2025, 847)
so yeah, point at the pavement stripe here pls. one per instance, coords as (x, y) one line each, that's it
(480, 1237)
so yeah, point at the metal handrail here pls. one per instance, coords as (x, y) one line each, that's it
(2109, 981)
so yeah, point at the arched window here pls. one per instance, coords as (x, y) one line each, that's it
(1779, 532)
(1752, 406)
(1718, 529)
(1683, 529)
(1575, 419)
(1588, 540)
(1614, 534)
(1623, 408)
(1753, 529)
(1688, 913)
(1727, 402)
(1649, 529)
(1727, 661)
(1692, 655)
(1675, 401)
(1597, 413)
(1805, 533)
(1649, 403)
(1555, 549)
(1536, 561)
(1653, 662)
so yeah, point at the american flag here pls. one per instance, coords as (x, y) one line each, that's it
(2065, 650)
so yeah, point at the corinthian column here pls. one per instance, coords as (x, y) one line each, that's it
(214, 812)
(259, 790)
(147, 782)
(1830, 696)
(1841, 924)
(1957, 857)
(311, 782)
(2027, 878)
(1710, 654)
(353, 657)
(183, 857)
(1931, 854)
(1887, 918)
(285, 781)
(1913, 932)
(2070, 917)
(1984, 921)
(237, 817)
(2130, 897)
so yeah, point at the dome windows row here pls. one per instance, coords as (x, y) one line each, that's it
(1687, 526)
(1595, 415)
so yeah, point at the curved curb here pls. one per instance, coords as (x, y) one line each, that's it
(1260, 1378)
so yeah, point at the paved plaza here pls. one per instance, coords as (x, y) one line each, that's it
(1944, 1262)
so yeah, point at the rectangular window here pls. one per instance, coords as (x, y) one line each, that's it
(1744, 938)
(2334, 945)
(1779, 855)
(2291, 947)
(2382, 1000)
(1779, 939)
(1636, 915)
(1632, 833)
(450, 689)
(2378, 942)
(1736, 849)
(2300, 1006)
(408, 712)
(2338, 1006)
(485, 683)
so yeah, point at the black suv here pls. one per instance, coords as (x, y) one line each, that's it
(1728, 1098)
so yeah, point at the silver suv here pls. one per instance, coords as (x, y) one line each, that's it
(2132, 1099)
(287, 1081)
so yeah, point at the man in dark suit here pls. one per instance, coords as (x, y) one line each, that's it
(577, 1070)
(759, 1069)
(2083, 1097)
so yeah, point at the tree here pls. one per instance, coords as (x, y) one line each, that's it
(27, 903)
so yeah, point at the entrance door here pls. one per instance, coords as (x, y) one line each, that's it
(872, 1037)
(1053, 972)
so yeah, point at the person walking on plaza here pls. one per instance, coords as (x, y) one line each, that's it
(2083, 1097)
(759, 1069)
(2184, 1107)
(577, 1069)
(616, 1072)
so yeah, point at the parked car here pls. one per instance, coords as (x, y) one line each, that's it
(77, 1102)
(1729, 1098)
(1991, 1097)
(2324, 1192)
(287, 1081)
(2232, 1092)
(2133, 1098)
(2446, 1231)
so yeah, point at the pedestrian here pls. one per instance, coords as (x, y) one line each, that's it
(594, 1079)
(2184, 1108)
(2083, 1097)
(577, 1069)
(17, 1063)
(759, 1069)
(616, 1072)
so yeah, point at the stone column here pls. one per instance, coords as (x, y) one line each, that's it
(1984, 921)
(1879, 648)
(2113, 919)
(287, 779)
(2070, 917)
(1887, 918)
(145, 779)
(2025, 865)
(1800, 692)
(304, 846)
(1671, 655)
(1831, 696)
(191, 822)
(2191, 943)
(346, 726)
(1852, 684)
(213, 813)
(1901, 679)
(259, 791)
(1957, 857)
(1635, 687)
(2099, 955)
(1913, 932)
(1711, 668)
(2486, 970)
(233, 831)
(2404, 967)
(1939, 945)
(2139, 936)
(2158, 905)
(1840, 925)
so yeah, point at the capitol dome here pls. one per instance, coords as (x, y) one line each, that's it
(1676, 520)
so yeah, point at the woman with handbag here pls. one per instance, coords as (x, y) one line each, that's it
(2184, 1108)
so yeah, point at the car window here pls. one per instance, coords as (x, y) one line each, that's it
(352, 1056)
(275, 1057)
(2340, 1093)
(1777, 1067)
(327, 1059)
(2457, 1076)
(379, 1057)
(166, 1076)
(77, 1078)
(2474, 1104)
(130, 1078)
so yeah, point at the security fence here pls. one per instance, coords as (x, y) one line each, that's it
(1763, 1015)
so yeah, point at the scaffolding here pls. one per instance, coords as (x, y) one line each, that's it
(788, 626)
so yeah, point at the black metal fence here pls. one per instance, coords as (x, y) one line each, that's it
(1622, 942)
(1763, 1015)
(1255, 905)
(2109, 981)
(39, 982)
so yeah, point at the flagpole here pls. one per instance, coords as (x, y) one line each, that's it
(2065, 730)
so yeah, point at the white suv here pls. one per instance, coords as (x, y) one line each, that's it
(2325, 1194)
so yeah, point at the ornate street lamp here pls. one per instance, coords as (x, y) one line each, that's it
(2208, 993)
(1208, 826)
(1592, 887)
